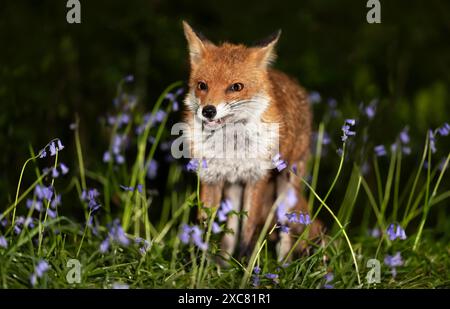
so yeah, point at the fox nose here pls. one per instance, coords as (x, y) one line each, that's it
(209, 111)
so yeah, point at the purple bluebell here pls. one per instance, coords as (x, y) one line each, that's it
(139, 188)
(3, 242)
(42, 154)
(394, 261)
(257, 270)
(375, 232)
(129, 78)
(193, 234)
(51, 213)
(192, 165)
(395, 231)
(444, 130)
(145, 245)
(328, 278)
(404, 136)
(216, 229)
(160, 115)
(256, 281)
(225, 207)
(314, 97)
(432, 141)
(106, 156)
(34, 203)
(380, 151)
(284, 229)
(346, 129)
(185, 234)
(278, 162)
(406, 150)
(370, 110)
(120, 286)
(152, 170)
(60, 145)
(55, 173)
(104, 246)
(53, 149)
(56, 201)
(64, 168)
(120, 159)
(204, 163)
(41, 268)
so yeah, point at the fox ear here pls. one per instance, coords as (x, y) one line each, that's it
(265, 49)
(197, 43)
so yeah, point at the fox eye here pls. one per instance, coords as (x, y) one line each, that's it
(237, 87)
(202, 86)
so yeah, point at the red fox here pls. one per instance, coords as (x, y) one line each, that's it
(234, 84)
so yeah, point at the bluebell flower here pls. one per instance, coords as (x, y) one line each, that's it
(404, 136)
(120, 159)
(120, 286)
(185, 234)
(284, 229)
(192, 165)
(55, 173)
(152, 170)
(432, 141)
(129, 78)
(193, 234)
(56, 201)
(346, 129)
(273, 277)
(394, 261)
(256, 281)
(145, 245)
(380, 151)
(340, 152)
(444, 130)
(395, 231)
(41, 268)
(139, 188)
(106, 156)
(370, 110)
(64, 168)
(278, 162)
(375, 232)
(257, 270)
(104, 246)
(282, 209)
(42, 154)
(328, 278)
(60, 145)
(3, 242)
(159, 116)
(51, 213)
(314, 97)
(225, 207)
(53, 149)
(216, 228)
(204, 163)
(34, 203)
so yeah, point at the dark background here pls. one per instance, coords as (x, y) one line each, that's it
(51, 70)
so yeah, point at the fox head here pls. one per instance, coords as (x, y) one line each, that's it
(228, 83)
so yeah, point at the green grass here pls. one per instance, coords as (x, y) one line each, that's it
(387, 195)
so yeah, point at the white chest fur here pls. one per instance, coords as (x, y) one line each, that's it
(236, 152)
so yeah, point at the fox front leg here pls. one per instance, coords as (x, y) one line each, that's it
(258, 199)
(210, 196)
